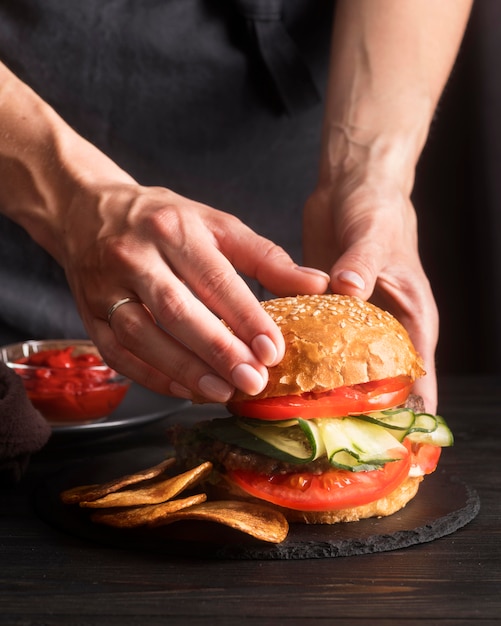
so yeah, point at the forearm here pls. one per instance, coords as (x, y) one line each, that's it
(390, 62)
(43, 163)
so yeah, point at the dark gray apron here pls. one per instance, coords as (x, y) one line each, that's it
(218, 100)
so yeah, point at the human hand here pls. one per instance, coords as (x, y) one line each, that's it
(180, 259)
(117, 240)
(363, 231)
(389, 64)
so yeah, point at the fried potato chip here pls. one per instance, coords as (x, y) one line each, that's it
(144, 515)
(257, 520)
(125, 504)
(86, 493)
(154, 493)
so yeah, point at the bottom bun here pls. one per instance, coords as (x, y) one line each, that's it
(393, 502)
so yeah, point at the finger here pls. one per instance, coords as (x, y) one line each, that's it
(210, 273)
(140, 349)
(192, 263)
(426, 387)
(225, 294)
(411, 301)
(210, 268)
(189, 333)
(356, 271)
(210, 386)
(189, 345)
(259, 258)
(131, 366)
(128, 364)
(404, 290)
(191, 358)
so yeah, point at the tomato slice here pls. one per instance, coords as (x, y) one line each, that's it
(424, 457)
(335, 489)
(372, 396)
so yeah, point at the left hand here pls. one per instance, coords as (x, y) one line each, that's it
(363, 231)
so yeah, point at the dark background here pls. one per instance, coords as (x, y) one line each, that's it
(458, 199)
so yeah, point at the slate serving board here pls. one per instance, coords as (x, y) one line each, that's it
(442, 506)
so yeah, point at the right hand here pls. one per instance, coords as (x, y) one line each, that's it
(180, 259)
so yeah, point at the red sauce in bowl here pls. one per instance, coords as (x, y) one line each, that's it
(67, 386)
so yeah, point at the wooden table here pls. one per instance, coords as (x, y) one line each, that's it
(52, 578)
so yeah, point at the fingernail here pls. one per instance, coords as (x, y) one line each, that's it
(312, 270)
(265, 350)
(352, 278)
(249, 380)
(215, 388)
(179, 391)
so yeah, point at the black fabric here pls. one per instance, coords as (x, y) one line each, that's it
(177, 94)
(291, 77)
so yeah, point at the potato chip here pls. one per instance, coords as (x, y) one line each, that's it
(133, 517)
(126, 504)
(86, 493)
(259, 521)
(155, 492)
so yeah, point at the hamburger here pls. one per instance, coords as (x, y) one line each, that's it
(337, 434)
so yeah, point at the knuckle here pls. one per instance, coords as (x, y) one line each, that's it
(215, 279)
(273, 253)
(118, 254)
(111, 354)
(270, 255)
(173, 309)
(128, 330)
(217, 284)
(168, 223)
(221, 349)
(228, 225)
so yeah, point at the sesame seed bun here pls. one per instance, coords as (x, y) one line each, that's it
(334, 340)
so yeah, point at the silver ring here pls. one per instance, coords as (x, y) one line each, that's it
(118, 304)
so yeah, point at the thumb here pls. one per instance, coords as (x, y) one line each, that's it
(356, 271)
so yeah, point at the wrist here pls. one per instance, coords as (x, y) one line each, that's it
(364, 139)
(44, 164)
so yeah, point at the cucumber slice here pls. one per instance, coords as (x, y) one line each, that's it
(418, 427)
(424, 423)
(397, 421)
(299, 439)
(440, 436)
(229, 430)
(357, 445)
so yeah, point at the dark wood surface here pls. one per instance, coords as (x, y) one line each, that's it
(53, 578)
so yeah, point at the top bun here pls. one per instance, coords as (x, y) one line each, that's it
(332, 341)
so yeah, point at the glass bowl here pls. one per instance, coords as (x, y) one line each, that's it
(66, 379)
